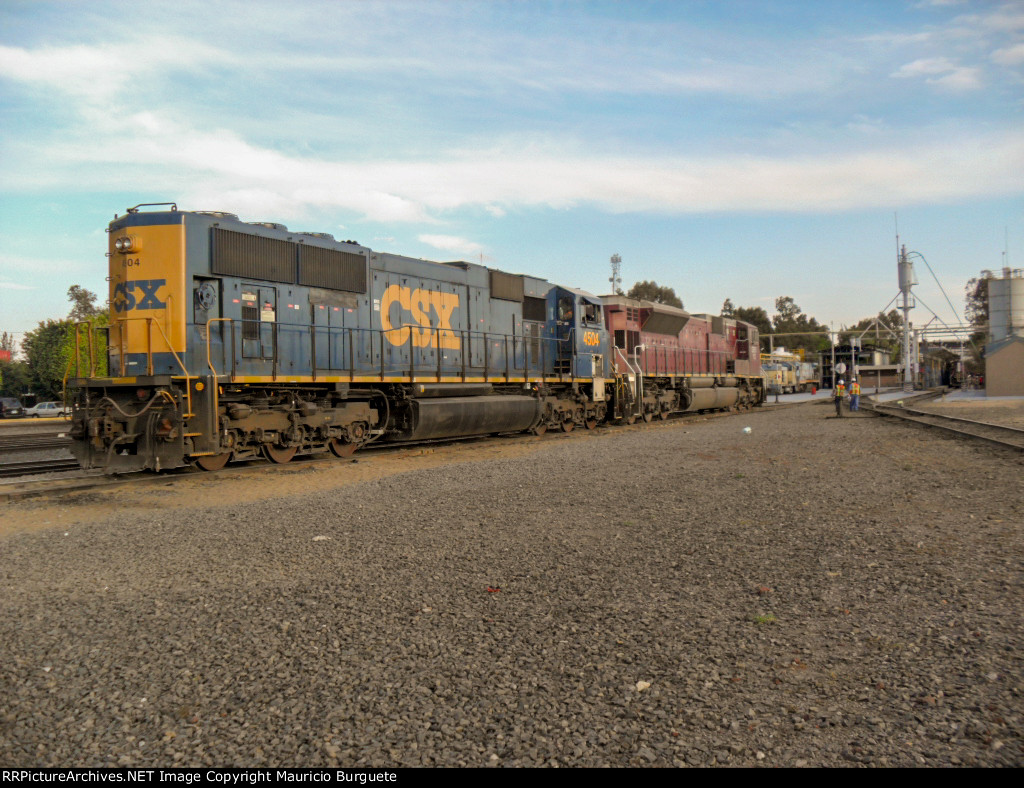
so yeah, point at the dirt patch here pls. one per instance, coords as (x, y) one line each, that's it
(245, 484)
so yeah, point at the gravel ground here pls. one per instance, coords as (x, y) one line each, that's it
(818, 592)
(1002, 410)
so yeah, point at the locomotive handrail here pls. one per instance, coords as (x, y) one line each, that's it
(636, 371)
(76, 359)
(149, 354)
(209, 358)
(174, 206)
(713, 360)
(414, 364)
(463, 335)
(92, 364)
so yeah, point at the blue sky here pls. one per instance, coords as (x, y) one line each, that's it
(744, 149)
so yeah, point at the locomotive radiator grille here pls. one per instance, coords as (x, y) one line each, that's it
(331, 269)
(252, 256)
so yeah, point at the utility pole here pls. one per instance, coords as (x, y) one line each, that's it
(832, 342)
(907, 282)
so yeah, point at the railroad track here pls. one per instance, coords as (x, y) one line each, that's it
(996, 434)
(9, 469)
(12, 443)
(29, 488)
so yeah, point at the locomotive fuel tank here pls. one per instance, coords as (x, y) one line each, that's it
(447, 417)
(713, 398)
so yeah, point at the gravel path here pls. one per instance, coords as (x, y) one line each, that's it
(818, 592)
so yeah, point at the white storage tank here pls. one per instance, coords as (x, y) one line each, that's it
(1006, 304)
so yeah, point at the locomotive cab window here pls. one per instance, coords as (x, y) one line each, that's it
(591, 313)
(565, 309)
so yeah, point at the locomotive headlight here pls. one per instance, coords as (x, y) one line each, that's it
(126, 243)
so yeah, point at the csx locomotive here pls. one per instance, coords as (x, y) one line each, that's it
(233, 340)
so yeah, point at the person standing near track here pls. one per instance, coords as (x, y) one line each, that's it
(854, 394)
(837, 396)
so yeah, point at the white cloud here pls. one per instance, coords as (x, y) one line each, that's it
(897, 39)
(160, 151)
(89, 72)
(925, 66)
(960, 79)
(15, 286)
(452, 243)
(953, 77)
(220, 170)
(95, 73)
(1009, 56)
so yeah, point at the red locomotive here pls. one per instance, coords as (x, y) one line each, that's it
(666, 360)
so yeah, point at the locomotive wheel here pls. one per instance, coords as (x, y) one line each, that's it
(648, 416)
(590, 424)
(567, 426)
(212, 462)
(278, 454)
(540, 429)
(663, 415)
(340, 448)
(630, 419)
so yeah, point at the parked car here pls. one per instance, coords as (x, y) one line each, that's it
(48, 410)
(10, 408)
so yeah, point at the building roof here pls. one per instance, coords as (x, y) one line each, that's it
(1001, 344)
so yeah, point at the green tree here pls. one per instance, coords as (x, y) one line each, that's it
(83, 304)
(728, 308)
(47, 350)
(755, 315)
(875, 333)
(976, 298)
(14, 378)
(790, 320)
(652, 291)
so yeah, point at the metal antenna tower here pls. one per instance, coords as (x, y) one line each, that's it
(616, 279)
(907, 282)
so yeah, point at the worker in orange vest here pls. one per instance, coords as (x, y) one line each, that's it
(837, 396)
(854, 394)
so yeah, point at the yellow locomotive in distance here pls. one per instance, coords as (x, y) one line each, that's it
(787, 373)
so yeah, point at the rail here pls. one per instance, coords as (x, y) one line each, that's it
(998, 434)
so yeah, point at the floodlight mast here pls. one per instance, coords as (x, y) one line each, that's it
(907, 282)
(616, 279)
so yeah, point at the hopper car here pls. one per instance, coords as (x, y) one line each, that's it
(230, 340)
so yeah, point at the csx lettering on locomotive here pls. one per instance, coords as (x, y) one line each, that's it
(124, 295)
(418, 304)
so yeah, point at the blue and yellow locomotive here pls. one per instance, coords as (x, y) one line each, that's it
(230, 340)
